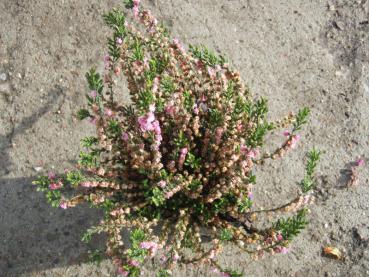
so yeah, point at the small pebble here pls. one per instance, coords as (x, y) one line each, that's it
(3, 77)
(38, 168)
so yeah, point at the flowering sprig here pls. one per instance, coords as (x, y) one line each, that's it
(179, 158)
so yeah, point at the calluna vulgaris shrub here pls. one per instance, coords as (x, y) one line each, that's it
(178, 161)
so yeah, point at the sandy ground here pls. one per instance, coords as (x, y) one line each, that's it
(296, 53)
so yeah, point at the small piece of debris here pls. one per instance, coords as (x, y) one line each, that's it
(362, 233)
(332, 252)
(3, 77)
(38, 168)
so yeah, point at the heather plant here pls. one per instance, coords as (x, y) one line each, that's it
(177, 161)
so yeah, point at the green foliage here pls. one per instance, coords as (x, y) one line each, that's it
(137, 53)
(292, 226)
(167, 85)
(189, 101)
(83, 114)
(215, 118)
(194, 185)
(256, 138)
(181, 141)
(301, 119)
(87, 236)
(192, 161)
(114, 129)
(226, 234)
(308, 182)
(113, 49)
(128, 4)
(244, 204)
(94, 81)
(157, 197)
(88, 142)
(145, 99)
(74, 178)
(137, 236)
(53, 197)
(163, 273)
(42, 183)
(96, 256)
(230, 91)
(114, 18)
(233, 273)
(208, 57)
(88, 159)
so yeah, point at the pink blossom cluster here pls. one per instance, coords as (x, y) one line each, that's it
(151, 246)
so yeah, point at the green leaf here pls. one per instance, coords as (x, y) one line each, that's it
(88, 142)
(292, 226)
(308, 183)
(301, 119)
(94, 81)
(83, 114)
(74, 178)
(208, 57)
(226, 235)
(114, 19)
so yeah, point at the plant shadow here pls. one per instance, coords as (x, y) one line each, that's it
(33, 235)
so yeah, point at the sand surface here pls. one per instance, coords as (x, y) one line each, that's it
(296, 53)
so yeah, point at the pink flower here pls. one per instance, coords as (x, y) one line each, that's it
(108, 112)
(146, 121)
(282, 250)
(150, 245)
(170, 110)
(125, 136)
(93, 93)
(117, 71)
(155, 85)
(92, 120)
(63, 205)
(195, 109)
(162, 184)
(360, 162)
(136, 11)
(294, 141)
(225, 274)
(156, 126)
(106, 59)
(239, 127)
(122, 271)
(87, 184)
(54, 186)
(179, 45)
(169, 194)
(286, 133)
(176, 257)
(215, 270)
(134, 263)
(184, 151)
(250, 195)
(119, 41)
(51, 175)
(212, 254)
(279, 237)
(211, 72)
(252, 154)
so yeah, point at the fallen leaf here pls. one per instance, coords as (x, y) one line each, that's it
(333, 252)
